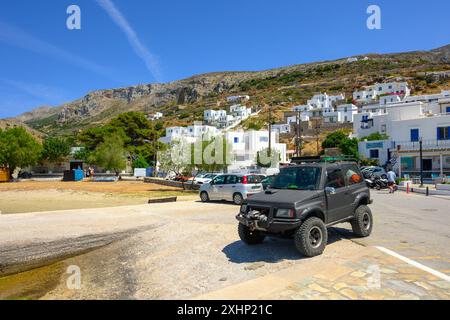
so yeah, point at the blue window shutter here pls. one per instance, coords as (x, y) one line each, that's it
(448, 109)
(414, 135)
(438, 133)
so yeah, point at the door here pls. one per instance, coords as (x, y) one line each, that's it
(217, 188)
(230, 187)
(355, 184)
(338, 202)
(427, 164)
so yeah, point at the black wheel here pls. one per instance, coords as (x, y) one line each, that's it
(312, 237)
(238, 199)
(204, 196)
(250, 237)
(362, 224)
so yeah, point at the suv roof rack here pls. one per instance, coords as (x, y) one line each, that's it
(323, 159)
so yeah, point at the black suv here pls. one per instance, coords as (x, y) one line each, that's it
(303, 201)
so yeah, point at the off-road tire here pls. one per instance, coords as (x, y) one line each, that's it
(204, 196)
(250, 237)
(305, 244)
(362, 224)
(238, 199)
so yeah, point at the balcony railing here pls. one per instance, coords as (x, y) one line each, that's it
(426, 145)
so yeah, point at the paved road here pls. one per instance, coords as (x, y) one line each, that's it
(415, 226)
(190, 249)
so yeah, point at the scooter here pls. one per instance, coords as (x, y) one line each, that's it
(380, 183)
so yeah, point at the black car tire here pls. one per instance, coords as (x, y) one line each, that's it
(312, 237)
(362, 224)
(250, 237)
(204, 196)
(238, 199)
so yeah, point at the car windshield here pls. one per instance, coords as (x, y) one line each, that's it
(298, 178)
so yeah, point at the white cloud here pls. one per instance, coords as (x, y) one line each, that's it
(149, 59)
(21, 39)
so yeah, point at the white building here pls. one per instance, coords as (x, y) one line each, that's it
(377, 90)
(155, 116)
(247, 144)
(240, 112)
(215, 116)
(281, 128)
(190, 133)
(406, 124)
(238, 99)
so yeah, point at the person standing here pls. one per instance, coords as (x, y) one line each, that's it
(391, 176)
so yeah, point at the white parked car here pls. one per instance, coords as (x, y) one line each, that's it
(231, 187)
(202, 178)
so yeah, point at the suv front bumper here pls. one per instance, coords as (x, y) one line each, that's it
(273, 225)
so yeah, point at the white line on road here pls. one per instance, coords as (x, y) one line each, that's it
(416, 264)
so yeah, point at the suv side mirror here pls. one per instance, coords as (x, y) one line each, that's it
(211, 182)
(330, 190)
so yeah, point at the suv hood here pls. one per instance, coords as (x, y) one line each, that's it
(282, 198)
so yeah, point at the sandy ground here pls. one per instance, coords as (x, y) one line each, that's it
(191, 249)
(34, 196)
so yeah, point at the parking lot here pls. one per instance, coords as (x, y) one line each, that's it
(190, 249)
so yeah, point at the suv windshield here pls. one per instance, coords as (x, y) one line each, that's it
(298, 178)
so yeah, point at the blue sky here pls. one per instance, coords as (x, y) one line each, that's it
(123, 42)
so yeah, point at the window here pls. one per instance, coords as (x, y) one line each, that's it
(220, 180)
(414, 135)
(335, 178)
(352, 175)
(232, 180)
(443, 133)
(236, 140)
(264, 139)
(374, 153)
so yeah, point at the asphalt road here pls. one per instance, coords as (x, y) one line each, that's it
(188, 249)
(414, 226)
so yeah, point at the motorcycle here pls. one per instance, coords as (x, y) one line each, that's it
(380, 183)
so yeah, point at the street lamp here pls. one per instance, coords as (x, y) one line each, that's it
(421, 161)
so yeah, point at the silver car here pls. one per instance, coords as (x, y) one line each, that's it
(231, 187)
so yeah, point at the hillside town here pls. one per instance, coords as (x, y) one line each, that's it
(385, 108)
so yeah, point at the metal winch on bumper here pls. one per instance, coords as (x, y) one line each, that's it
(267, 222)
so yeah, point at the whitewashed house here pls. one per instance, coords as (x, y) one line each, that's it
(155, 116)
(406, 124)
(378, 90)
(247, 144)
(240, 112)
(238, 99)
(190, 133)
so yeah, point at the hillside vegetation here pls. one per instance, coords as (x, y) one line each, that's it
(184, 101)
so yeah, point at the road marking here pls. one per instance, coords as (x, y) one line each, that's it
(416, 264)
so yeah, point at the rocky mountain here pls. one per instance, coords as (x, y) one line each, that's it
(184, 100)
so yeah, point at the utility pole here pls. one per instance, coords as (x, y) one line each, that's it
(298, 148)
(270, 131)
(421, 161)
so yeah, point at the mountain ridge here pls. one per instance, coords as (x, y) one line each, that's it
(203, 90)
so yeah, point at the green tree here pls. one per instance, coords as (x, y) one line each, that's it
(140, 162)
(376, 136)
(18, 149)
(349, 147)
(110, 154)
(55, 149)
(334, 139)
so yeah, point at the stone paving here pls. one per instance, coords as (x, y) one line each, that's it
(370, 274)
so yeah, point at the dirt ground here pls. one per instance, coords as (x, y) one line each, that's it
(38, 196)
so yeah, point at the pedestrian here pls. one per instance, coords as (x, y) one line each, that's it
(391, 176)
